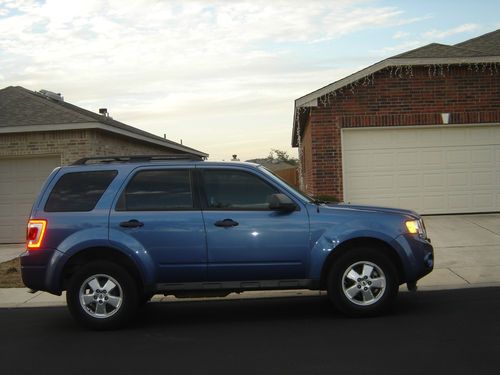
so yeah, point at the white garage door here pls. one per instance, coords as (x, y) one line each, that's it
(430, 170)
(20, 182)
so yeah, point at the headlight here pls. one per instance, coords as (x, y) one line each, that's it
(416, 227)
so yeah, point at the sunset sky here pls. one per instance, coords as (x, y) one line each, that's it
(220, 75)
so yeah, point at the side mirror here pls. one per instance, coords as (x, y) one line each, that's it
(281, 202)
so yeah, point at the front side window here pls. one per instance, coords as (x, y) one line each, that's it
(157, 190)
(236, 190)
(79, 191)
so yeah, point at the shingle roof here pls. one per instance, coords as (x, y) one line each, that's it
(20, 107)
(484, 45)
(436, 50)
(488, 43)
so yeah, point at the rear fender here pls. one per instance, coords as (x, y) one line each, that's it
(98, 238)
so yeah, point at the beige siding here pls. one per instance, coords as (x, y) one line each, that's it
(20, 182)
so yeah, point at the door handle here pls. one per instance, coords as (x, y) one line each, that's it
(131, 224)
(226, 223)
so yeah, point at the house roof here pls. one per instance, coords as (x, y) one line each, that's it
(483, 49)
(489, 43)
(436, 50)
(24, 110)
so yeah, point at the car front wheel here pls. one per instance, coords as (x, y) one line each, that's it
(363, 282)
(102, 295)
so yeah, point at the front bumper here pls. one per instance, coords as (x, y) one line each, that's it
(417, 256)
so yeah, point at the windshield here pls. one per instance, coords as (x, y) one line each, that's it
(302, 195)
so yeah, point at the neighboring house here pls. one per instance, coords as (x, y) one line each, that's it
(40, 131)
(281, 168)
(419, 130)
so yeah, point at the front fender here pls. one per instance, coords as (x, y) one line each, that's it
(331, 240)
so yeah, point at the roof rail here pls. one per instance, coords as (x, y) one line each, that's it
(136, 158)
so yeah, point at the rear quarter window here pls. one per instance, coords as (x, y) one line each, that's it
(79, 191)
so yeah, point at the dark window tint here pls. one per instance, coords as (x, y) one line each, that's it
(236, 190)
(158, 190)
(79, 191)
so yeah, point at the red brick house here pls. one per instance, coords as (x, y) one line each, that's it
(419, 130)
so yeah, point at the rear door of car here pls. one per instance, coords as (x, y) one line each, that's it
(158, 211)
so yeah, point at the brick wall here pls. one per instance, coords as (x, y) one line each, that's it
(72, 145)
(67, 144)
(470, 95)
(105, 143)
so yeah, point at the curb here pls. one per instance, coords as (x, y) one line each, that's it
(21, 298)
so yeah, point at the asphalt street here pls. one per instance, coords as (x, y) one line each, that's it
(431, 332)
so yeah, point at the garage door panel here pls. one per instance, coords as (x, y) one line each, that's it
(457, 157)
(483, 200)
(432, 158)
(458, 202)
(427, 138)
(438, 170)
(408, 181)
(482, 155)
(21, 180)
(434, 202)
(434, 180)
(382, 160)
(457, 180)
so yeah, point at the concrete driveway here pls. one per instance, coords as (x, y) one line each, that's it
(467, 250)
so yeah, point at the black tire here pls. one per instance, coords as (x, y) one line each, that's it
(100, 313)
(357, 293)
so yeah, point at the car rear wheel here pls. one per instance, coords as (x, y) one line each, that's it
(363, 282)
(102, 295)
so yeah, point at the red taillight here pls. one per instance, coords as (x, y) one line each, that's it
(35, 233)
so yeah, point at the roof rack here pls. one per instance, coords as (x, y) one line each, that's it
(136, 158)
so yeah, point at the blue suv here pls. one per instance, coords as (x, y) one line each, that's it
(115, 231)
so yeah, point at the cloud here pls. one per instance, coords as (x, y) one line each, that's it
(193, 69)
(400, 35)
(441, 34)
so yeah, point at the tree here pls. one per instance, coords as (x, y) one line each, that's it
(283, 156)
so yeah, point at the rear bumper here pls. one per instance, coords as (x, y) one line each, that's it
(40, 270)
(417, 255)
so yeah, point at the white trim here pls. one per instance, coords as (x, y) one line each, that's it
(97, 125)
(305, 100)
(342, 199)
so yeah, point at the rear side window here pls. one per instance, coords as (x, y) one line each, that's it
(157, 190)
(79, 191)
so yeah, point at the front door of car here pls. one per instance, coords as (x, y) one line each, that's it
(158, 213)
(246, 240)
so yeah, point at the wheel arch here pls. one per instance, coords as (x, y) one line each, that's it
(101, 253)
(371, 242)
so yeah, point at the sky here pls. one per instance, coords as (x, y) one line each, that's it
(221, 76)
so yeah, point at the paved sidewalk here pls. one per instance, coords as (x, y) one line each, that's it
(10, 251)
(467, 254)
